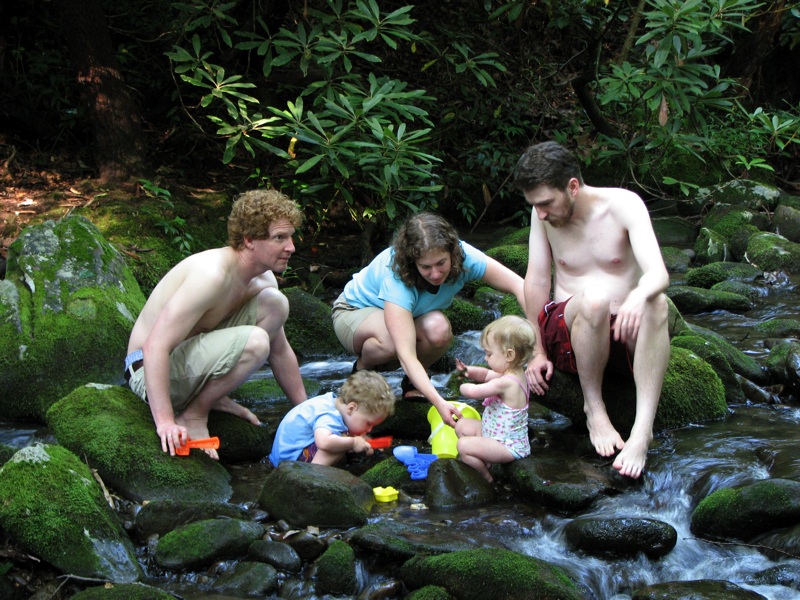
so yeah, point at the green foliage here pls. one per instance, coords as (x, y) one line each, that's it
(176, 227)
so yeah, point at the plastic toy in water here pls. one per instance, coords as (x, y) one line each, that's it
(387, 494)
(380, 442)
(212, 442)
(443, 439)
(416, 463)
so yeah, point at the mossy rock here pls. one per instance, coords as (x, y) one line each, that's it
(727, 220)
(786, 221)
(491, 573)
(711, 354)
(162, 516)
(336, 570)
(200, 544)
(782, 364)
(266, 389)
(51, 504)
(741, 363)
(515, 257)
(696, 300)
(389, 472)
(509, 305)
(752, 292)
(745, 511)
(515, 236)
(675, 259)
(124, 591)
(746, 193)
(309, 328)
(708, 275)
(67, 306)
(772, 252)
(674, 231)
(778, 328)
(6, 452)
(710, 247)
(113, 429)
(466, 316)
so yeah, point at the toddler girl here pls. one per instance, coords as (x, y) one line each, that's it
(502, 436)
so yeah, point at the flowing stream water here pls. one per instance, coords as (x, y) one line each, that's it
(683, 466)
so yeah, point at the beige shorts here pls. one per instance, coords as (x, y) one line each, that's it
(205, 356)
(346, 321)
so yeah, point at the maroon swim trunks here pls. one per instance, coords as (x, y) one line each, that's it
(558, 345)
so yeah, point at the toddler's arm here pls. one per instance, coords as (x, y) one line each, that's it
(338, 444)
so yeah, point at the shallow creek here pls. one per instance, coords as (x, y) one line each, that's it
(710, 455)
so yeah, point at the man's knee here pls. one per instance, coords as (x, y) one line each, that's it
(273, 308)
(258, 344)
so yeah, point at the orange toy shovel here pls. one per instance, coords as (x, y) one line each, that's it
(380, 442)
(212, 442)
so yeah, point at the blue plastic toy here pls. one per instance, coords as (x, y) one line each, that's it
(416, 463)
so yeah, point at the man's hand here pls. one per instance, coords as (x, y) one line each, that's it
(629, 317)
(172, 436)
(538, 373)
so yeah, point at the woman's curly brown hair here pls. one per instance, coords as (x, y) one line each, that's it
(253, 212)
(423, 233)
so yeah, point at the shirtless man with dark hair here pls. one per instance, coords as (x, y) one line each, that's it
(215, 318)
(608, 303)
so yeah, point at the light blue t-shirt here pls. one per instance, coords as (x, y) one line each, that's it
(296, 431)
(377, 284)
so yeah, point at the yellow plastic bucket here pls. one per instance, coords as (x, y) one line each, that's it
(443, 439)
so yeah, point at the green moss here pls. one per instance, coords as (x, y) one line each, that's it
(778, 328)
(63, 531)
(709, 353)
(675, 259)
(513, 236)
(750, 292)
(710, 246)
(114, 430)
(336, 569)
(510, 306)
(466, 316)
(389, 472)
(429, 592)
(309, 328)
(711, 274)
(772, 252)
(515, 257)
(691, 389)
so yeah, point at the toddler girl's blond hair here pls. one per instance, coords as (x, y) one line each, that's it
(512, 333)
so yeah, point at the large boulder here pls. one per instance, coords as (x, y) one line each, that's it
(745, 511)
(305, 494)
(309, 328)
(773, 252)
(697, 589)
(490, 573)
(67, 306)
(692, 393)
(621, 536)
(692, 300)
(453, 484)
(200, 544)
(52, 506)
(113, 429)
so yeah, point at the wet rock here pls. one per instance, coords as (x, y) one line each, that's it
(779, 544)
(308, 546)
(336, 570)
(162, 516)
(787, 575)
(248, 580)
(558, 481)
(67, 306)
(695, 300)
(745, 511)
(778, 328)
(305, 494)
(490, 573)
(773, 252)
(786, 222)
(701, 589)
(751, 291)
(711, 246)
(709, 275)
(453, 484)
(675, 259)
(239, 441)
(281, 556)
(741, 363)
(673, 231)
(783, 364)
(113, 429)
(400, 541)
(712, 355)
(621, 537)
(201, 544)
(51, 505)
(409, 421)
(125, 591)
(429, 592)
(309, 328)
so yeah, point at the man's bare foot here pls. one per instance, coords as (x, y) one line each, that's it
(198, 430)
(225, 404)
(631, 460)
(605, 439)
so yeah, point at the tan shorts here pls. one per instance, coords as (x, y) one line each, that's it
(346, 321)
(205, 356)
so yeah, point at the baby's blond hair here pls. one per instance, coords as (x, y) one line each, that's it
(369, 391)
(511, 333)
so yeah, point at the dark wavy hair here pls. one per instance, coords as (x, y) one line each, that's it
(423, 233)
(548, 163)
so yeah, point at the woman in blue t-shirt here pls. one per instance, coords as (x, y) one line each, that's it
(392, 309)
